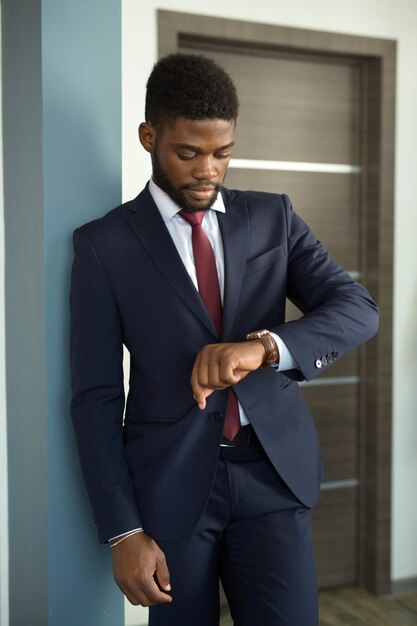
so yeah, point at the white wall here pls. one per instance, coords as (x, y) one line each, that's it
(4, 602)
(393, 19)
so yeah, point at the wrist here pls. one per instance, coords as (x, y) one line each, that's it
(257, 349)
(271, 352)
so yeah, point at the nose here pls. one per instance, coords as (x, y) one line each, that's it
(205, 168)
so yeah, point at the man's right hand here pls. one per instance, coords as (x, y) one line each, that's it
(140, 570)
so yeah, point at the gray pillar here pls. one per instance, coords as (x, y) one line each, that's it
(62, 167)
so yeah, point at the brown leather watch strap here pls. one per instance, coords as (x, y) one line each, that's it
(271, 350)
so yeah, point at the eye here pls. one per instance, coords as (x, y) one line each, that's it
(185, 157)
(223, 155)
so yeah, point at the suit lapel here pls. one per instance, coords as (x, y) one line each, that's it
(150, 228)
(234, 228)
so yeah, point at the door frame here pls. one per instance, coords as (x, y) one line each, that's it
(378, 61)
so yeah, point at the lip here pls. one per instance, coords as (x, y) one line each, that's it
(201, 193)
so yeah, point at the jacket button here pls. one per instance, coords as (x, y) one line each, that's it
(318, 364)
(329, 358)
(335, 355)
(216, 416)
(324, 361)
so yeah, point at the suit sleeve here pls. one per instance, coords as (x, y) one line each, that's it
(339, 314)
(98, 393)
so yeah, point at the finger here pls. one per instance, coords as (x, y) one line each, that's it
(200, 395)
(153, 595)
(148, 595)
(227, 375)
(128, 593)
(134, 594)
(238, 374)
(162, 574)
(208, 368)
(211, 377)
(199, 392)
(194, 372)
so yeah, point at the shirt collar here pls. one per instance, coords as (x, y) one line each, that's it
(168, 208)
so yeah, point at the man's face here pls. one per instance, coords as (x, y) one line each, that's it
(190, 159)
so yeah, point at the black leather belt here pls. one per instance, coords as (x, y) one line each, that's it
(242, 440)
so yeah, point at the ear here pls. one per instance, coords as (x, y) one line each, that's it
(147, 136)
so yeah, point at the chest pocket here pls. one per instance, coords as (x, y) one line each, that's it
(264, 260)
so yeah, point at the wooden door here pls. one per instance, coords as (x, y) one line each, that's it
(305, 128)
(298, 109)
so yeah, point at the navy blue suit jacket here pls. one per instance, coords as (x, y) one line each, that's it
(129, 286)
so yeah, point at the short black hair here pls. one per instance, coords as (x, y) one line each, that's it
(189, 86)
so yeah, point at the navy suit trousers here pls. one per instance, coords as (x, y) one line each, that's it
(255, 536)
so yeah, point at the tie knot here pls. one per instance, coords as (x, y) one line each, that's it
(194, 219)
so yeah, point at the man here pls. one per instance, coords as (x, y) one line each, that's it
(216, 467)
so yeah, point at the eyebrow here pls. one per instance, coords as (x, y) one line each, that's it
(186, 146)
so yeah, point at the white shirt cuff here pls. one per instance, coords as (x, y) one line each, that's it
(286, 359)
(134, 530)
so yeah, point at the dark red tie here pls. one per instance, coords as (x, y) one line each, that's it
(208, 287)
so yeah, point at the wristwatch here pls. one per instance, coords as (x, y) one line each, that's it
(271, 350)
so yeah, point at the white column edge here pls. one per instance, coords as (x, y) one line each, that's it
(4, 499)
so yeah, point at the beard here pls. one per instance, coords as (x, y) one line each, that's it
(177, 194)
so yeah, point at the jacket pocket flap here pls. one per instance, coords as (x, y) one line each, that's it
(264, 260)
